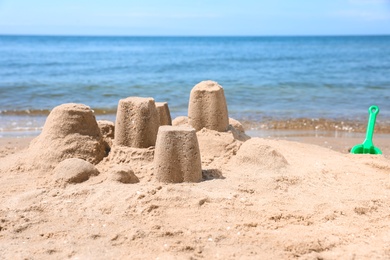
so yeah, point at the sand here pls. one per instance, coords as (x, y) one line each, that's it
(84, 189)
(313, 201)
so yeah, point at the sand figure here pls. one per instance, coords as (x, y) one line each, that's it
(163, 113)
(177, 155)
(70, 131)
(136, 122)
(207, 107)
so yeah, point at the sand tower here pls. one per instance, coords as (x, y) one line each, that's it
(207, 107)
(177, 155)
(136, 123)
(70, 131)
(163, 113)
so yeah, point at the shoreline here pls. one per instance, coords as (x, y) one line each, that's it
(317, 125)
(339, 141)
(24, 126)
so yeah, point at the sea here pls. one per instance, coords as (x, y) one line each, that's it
(332, 78)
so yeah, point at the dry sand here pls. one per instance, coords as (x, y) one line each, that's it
(266, 198)
(74, 192)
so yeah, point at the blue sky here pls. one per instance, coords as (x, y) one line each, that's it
(196, 17)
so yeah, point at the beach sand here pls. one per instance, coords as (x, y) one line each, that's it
(87, 189)
(282, 196)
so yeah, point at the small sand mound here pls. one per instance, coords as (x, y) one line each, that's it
(122, 174)
(237, 125)
(140, 160)
(107, 128)
(74, 170)
(216, 148)
(236, 128)
(180, 120)
(255, 153)
(70, 131)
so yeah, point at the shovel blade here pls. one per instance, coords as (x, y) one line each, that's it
(361, 149)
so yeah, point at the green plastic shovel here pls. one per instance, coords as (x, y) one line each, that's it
(367, 147)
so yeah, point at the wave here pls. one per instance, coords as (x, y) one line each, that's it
(33, 120)
(45, 112)
(25, 112)
(321, 124)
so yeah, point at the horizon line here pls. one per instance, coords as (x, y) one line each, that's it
(194, 36)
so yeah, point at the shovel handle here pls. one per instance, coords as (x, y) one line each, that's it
(373, 112)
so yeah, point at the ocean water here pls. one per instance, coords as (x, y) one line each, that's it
(281, 78)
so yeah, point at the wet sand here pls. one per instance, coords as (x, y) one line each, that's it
(340, 141)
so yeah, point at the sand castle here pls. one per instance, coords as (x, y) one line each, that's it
(142, 138)
(177, 155)
(163, 113)
(70, 131)
(207, 107)
(137, 122)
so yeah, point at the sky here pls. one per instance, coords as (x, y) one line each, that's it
(195, 17)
